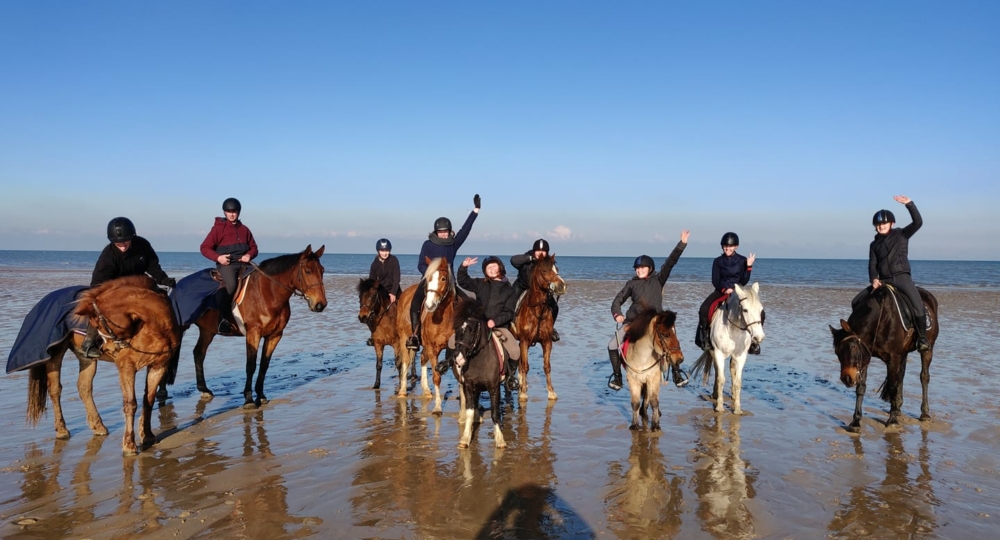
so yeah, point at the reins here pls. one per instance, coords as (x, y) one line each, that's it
(298, 277)
(121, 343)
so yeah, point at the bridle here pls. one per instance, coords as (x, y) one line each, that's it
(298, 290)
(737, 323)
(122, 343)
(376, 309)
(868, 349)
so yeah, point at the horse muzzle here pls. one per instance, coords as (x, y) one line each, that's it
(849, 376)
(317, 307)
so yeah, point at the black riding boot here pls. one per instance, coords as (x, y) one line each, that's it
(680, 378)
(703, 338)
(920, 326)
(225, 312)
(615, 381)
(449, 359)
(511, 382)
(89, 346)
(413, 342)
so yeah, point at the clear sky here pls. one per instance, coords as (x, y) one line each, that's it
(605, 127)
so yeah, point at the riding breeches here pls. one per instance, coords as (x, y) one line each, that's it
(510, 344)
(230, 275)
(904, 283)
(705, 306)
(618, 338)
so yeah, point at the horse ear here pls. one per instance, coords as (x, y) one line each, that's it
(843, 324)
(308, 250)
(755, 287)
(319, 252)
(738, 290)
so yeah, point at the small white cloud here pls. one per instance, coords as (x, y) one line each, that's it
(561, 232)
(353, 234)
(42, 231)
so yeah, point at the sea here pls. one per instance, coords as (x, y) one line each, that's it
(772, 272)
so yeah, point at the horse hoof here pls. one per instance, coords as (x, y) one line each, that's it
(719, 409)
(206, 393)
(553, 396)
(925, 417)
(162, 395)
(262, 400)
(437, 413)
(148, 441)
(130, 451)
(854, 428)
(249, 406)
(634, 427)
(377, 386)
(99, 431)
(655, 427)
(64, 434)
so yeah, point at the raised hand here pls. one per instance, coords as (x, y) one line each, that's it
(902, 199)
(469, 261)
(684, 236)
(477, 202)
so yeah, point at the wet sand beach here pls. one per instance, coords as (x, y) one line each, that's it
(329, 457)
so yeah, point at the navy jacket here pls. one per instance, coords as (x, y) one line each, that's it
(435, 247)
(888, 254)
(728, 271)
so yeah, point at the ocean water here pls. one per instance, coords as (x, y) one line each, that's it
(773, 272)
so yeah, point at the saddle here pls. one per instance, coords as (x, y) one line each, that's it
(715, 305)
(238, 296)
(904, 309)
(501, 353)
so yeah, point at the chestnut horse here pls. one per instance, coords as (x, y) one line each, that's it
(380, 317)
(137, 323)
(876, 328)
(265, 310)
(653, 343)
(533, 322)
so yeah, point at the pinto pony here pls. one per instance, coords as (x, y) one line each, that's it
(735, 325)
(136, 322)
(876, 328)
(478, 367)
(379, 315)
(533, 322)
(265, 310)
(653, 343)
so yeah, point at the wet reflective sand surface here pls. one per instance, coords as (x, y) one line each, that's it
(329, 457)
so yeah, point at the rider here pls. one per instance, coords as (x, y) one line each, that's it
(888, 262)
(127, 254)
(728, 269)
(443, 242)
(525, 264)
(645, 293)
(496, 295)
(231, 245)
(385, 270)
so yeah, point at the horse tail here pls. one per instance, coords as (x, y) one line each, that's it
(38, 390)
(895, 371)
(702, 366)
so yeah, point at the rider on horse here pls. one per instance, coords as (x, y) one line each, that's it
(385, 270)
(126, 255)
(728, 269)
(888, 262)
(231, 245)
(443, 242)
(645, 292)
(525, 264)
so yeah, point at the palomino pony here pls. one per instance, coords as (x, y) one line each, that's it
(735, 325)
(533, 322)
(379, 315)
(265, 310)
(876, 328)
(137, 323)
(652, 339)
(478, 366)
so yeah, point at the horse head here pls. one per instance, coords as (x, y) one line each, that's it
(470, 337)
(751, 310)
(438, 283)
(133, 313)
(853, 354)
(665, 342)
(309, 279)
(373, 298)
(546, 276)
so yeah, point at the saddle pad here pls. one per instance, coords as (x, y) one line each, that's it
(45, 325)
(193, 295)
(623, 348)
(498, 347)
(715, 305)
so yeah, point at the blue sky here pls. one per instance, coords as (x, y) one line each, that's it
(606, 127)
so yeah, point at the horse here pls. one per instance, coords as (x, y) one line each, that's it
(478, 366)
(653, 342)
(735, 325)
(380, 317)
(265, 311)
(876, 328)
(534, 321)
(137, 324)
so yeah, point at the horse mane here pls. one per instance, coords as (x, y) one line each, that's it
(465, 310)
(279, 264)
(434, 266)
(365, 285)
(542, 264)
(637, 328)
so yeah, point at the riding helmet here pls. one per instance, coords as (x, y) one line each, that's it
(644, 260)
(540, 245)
(883, 216)
(232, 205)
(442, 224)
(494, 259)
(121, 229)
(383, 244)
(730, 239)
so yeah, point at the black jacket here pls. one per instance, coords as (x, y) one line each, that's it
(525, 264)
(139, 259)
(646, 293)
(728, 271)
(496, 297)
(387, 273)
(888, 254)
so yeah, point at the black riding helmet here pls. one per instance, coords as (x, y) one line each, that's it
(121, 229)
(494, 259)
(383, 244)
(730, 239)
(540, 245)
(883, 216)
(644, 260)
(442, 224)
(232, 204)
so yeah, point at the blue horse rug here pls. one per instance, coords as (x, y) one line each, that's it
(193, 295)
(47, 324)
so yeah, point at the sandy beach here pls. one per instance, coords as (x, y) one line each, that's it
(329, 457)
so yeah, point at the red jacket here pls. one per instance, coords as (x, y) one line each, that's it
(228, 238)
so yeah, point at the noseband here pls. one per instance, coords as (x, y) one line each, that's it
(375, 308)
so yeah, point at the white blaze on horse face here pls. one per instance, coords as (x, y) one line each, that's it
(431, 300)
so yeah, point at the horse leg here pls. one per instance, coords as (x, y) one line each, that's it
(270, 343)
(404, 358)
(126, 378)
(53, 372)
(635, 392)
(896, 400)
(436, 378)
(379, 348)
(546, 353)
(720, 379)
(925, 379)
(468, 412)
(736, 375)
(522, 370)
(153, 377)
(205, 337)
(855, 426)
(253, 339)
(85, 386)
(495, 413)
(653, 395)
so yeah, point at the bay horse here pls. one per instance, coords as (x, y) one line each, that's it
(876, 328)
(653, 344)
(478, 367)
(265, 311)
(533, 322)
(379, 315)
(137, 324)
(735, 325)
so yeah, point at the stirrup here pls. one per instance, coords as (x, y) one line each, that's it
(225, 327)
(554, 335)
(680, 378)
(615, 382)
(370, 342)
(923, 345)
(413, 343)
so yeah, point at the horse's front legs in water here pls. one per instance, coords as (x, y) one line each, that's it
(736, 375)
(85, 386)
(270, 343)
(126, 378)
(925, 378)
(547, 367)
(896, 399)
(522, 371)
(855, 426)
(720, 378)
(153, 378)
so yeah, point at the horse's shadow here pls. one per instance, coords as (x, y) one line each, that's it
(533, 511)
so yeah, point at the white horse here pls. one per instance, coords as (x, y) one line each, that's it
(735, 325)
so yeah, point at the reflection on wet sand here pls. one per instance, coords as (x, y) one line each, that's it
(722, 480)
(897, 505)
(645, 501)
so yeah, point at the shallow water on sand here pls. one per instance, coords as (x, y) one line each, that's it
(329, 457)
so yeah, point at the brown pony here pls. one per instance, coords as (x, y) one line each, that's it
(265, 310)
(137, 323)
(653, 345)
(380, 317)
(876, 329)
(436, 326)
(533, 322)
